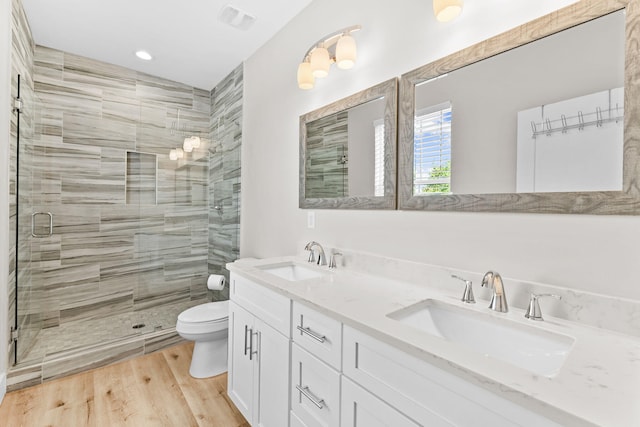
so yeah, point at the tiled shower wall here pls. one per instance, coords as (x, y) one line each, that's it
(224, 175)
(326, 172)
(121, 243)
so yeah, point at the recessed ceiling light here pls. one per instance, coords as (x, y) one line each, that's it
(144, 55)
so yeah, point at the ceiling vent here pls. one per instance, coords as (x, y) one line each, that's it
(235, 17)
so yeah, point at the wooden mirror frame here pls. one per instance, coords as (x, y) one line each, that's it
(388, 90)
(625, 202)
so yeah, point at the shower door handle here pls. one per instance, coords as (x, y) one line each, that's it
(33, 224)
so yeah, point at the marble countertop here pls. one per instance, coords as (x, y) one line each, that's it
(599, 383)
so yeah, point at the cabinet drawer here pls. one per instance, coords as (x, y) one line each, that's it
(315, 390)
(317, 333)
(267, 305)
(362, 409)
(424, 392)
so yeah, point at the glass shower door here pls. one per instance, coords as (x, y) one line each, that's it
(27, 224)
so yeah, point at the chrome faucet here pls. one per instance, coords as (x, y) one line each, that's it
(493, 281)
(322, 259)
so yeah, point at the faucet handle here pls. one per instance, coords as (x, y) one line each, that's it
(309, 247)
(533, 311)
(467, 296)
(332, 260)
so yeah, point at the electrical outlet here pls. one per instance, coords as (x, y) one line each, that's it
(311, 220)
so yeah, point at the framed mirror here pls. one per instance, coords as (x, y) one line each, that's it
(348, 151)
(538, 119)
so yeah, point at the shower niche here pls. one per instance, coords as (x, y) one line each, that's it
(141, 178)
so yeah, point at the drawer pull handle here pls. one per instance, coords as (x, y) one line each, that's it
(314, 335)
(306, 393)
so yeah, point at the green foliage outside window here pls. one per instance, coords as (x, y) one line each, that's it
(439, 172)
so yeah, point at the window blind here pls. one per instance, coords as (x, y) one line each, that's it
(432, 149)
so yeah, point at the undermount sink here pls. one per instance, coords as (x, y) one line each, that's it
(291, 271)
(536, 350)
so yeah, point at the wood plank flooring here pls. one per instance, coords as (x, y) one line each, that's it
(151, 390)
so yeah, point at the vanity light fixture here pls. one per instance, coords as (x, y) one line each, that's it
(338, 47)
(190, 143)
(447, 10)
(144, 55)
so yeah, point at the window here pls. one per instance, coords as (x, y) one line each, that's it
(432, 150)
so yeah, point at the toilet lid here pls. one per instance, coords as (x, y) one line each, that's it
(209, 312)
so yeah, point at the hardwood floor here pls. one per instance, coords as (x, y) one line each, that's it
(151, 390)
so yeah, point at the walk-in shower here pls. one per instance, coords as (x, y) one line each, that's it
(113, 238)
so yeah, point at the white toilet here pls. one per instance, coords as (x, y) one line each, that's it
(207, 325)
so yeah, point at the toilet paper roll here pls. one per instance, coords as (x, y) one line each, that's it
(215, 282)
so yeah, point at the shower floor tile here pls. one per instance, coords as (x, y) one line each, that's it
(77, 335)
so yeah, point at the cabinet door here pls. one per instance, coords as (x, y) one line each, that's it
(242, 363)
(273, 377)
(362, 409)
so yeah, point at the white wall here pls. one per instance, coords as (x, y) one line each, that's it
(593, 253)
(5, 105)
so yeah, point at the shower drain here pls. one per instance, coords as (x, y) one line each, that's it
(138, 326)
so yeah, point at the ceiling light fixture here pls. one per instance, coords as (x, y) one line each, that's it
(144, 55)
(447, 10)
(338, 47)
(235, 17)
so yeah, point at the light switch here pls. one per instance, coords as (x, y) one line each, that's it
(311, 220)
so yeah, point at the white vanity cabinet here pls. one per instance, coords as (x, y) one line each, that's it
(258, 376)
(298, 366)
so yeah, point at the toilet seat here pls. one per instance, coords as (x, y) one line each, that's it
(204, 318)
(208, 312)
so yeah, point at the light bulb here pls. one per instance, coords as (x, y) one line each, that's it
(446, 10)
(173, 154)
(195, 141)
(320, 62)
(305, 77)
(187, 146)
(346, 52)
(179, 153)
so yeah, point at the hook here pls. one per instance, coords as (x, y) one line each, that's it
(580, 120)
(548, 126)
